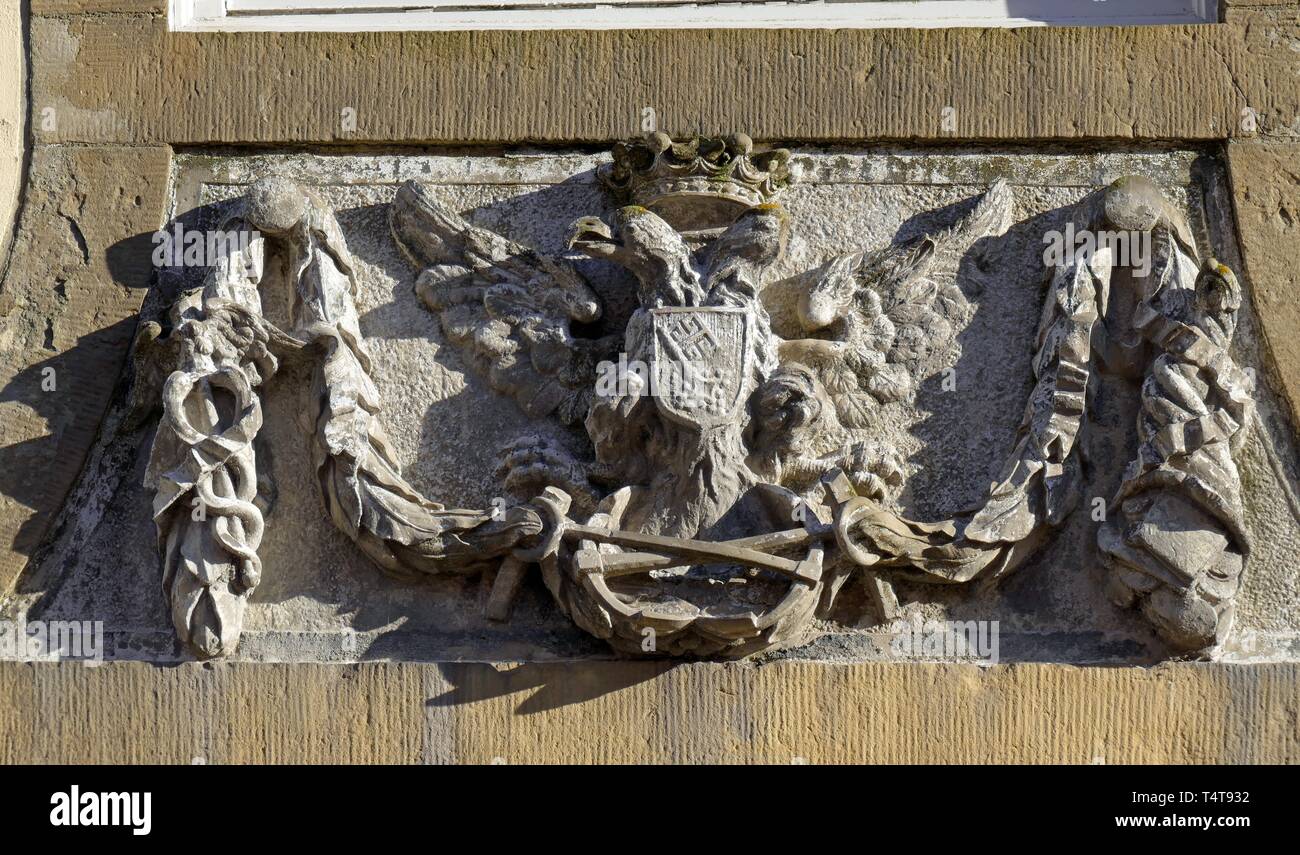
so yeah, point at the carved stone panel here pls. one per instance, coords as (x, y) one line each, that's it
(698, 398)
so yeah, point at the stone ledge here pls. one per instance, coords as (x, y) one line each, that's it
(124, 78)
(83, 7)
(647, 712)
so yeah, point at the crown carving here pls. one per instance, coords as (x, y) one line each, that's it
(700, 184)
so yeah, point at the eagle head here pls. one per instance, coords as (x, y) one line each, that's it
(643, 242)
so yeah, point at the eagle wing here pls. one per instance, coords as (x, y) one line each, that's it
(883, 312)
(509, 309)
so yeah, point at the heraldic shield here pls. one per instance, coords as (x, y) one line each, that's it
(702, 359)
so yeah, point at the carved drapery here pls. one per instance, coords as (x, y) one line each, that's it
(1176, 541)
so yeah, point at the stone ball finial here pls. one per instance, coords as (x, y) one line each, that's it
(275, 205)
(658, 142)
(1134, 202)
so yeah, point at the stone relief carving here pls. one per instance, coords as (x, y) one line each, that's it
(1176, 540)
(203, 466)
(727, 495)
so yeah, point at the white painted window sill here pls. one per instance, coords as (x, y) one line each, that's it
(411, 15)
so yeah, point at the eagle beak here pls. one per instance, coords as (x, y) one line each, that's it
(592, 235)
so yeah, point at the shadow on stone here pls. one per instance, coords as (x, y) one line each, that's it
(557, 684)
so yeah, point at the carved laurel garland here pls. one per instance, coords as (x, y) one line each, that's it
(1176, 541)
(357, 471)
(1040, 482)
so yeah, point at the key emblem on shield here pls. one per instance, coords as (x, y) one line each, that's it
(702, 357)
